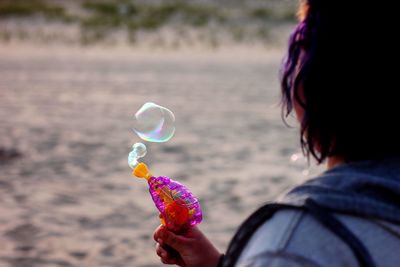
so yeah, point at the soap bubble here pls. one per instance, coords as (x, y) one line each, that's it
(154, 123)
(138, 151)
(299, 160)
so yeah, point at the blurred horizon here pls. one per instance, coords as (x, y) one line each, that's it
(159, 23)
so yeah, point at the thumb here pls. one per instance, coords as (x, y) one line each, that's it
(175, 241)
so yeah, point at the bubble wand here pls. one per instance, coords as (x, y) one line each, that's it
(179, 208)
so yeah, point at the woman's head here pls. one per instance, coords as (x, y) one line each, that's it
(338, 74)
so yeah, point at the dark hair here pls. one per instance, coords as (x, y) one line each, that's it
(337, 69)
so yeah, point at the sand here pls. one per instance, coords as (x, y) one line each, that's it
(66, 194)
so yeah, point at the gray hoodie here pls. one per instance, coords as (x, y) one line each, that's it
(363, 196)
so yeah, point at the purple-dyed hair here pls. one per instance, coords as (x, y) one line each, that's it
(293, 71)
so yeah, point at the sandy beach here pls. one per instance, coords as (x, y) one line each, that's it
(66, 194)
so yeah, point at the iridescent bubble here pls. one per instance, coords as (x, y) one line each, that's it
(154, 123)
(138, 151)
(299, 160)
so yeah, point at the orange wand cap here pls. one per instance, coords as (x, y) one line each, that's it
(141, 171)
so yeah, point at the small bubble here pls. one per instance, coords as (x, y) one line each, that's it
(138, 151)
(298, 159)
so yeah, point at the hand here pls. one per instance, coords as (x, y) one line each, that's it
(194, 249)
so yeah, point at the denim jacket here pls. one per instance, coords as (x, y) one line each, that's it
(364, 196)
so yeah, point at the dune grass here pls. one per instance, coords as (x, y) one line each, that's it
(99, 19)
(20, 9)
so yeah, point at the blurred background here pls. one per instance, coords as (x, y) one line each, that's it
(73, 74)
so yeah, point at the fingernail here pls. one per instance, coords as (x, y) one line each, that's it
(159, 241)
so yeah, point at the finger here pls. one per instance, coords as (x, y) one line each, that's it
(161, 252)
(164, 255)
(170, 261)
(156, 234)
(166, 251)
(177, 242)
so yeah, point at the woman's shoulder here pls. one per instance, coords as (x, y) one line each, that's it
(294, 238)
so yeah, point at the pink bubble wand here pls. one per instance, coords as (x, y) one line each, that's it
(179, 208)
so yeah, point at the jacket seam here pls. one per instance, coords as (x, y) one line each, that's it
(287, 236)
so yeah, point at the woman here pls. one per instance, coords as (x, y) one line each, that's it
(338, 81)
